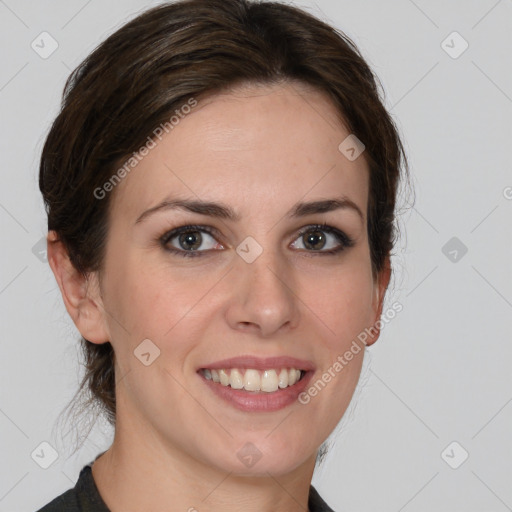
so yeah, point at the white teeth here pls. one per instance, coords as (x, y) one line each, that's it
(254, 380)
(283, 378)
(224, 377)
(236, 380)
(269, 381)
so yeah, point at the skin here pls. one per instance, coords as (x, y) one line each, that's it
(259, 149)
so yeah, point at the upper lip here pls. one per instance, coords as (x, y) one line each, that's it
(261, 363)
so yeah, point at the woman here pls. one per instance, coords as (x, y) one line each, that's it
(220, 186)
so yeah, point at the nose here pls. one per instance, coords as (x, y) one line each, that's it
(262, 298)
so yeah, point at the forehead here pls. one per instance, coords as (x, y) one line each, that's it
(253, 147)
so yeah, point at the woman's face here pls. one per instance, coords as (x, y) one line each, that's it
(263, 287)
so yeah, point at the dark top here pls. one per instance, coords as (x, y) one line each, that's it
(85, 497)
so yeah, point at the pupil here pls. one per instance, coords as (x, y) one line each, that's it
(313, 238)
(192, 239)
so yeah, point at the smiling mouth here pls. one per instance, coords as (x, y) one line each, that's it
(249, 379)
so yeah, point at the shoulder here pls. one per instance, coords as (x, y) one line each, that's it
(84, 497)
(66, 502)
(316, 503)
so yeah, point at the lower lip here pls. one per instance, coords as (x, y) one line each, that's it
(258, 401)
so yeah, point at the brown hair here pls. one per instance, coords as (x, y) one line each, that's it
(133, 82)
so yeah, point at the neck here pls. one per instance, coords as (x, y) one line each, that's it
(141, 472)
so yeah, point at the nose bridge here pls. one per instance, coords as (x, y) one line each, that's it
(264, 267)
(265, 295)
(267, 271)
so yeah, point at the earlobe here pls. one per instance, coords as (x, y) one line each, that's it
(380, 288)
(80, 293)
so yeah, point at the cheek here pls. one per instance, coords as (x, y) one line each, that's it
(156, 303)
(342, 304)
(146, 295)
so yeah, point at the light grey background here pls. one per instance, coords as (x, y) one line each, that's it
(441, 369)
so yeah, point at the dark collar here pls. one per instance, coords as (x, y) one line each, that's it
(90, 500)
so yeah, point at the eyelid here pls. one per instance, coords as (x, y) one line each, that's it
(171, 233)
(338, 233)
(344, 240)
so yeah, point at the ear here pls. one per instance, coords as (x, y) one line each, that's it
(81, 294)
(380, 287)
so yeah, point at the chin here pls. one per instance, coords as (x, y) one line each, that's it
(261, 455)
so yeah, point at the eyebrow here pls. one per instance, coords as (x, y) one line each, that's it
(223, 211)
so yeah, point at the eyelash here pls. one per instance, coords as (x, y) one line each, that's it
(344, 240)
